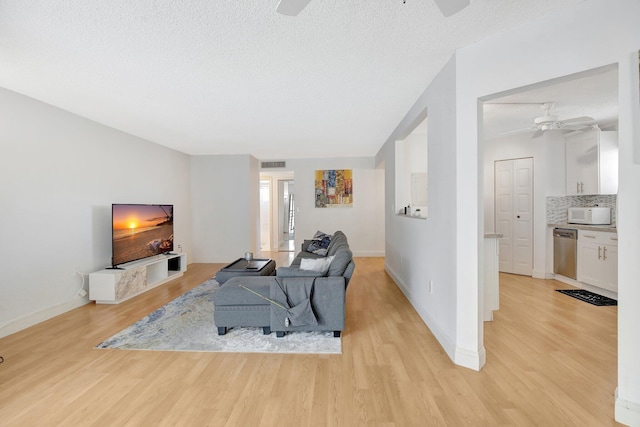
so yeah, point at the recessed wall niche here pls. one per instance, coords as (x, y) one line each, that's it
(411, 172)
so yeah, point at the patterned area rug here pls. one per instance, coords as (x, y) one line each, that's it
(186, 324)
(589, 297)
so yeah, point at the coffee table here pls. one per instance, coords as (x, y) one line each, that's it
(242, 267)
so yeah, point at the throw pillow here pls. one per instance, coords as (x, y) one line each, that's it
(316, 264)
(319, 243)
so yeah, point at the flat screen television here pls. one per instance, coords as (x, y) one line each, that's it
(140, 231)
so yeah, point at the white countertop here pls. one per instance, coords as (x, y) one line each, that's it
(605, 228)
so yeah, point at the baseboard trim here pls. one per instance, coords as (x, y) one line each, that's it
(586, 286)
(29, 320)
(471, 359)
(627, 412)
(446, 344)
(541, 274)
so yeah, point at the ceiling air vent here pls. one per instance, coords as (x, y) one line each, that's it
(271, 165)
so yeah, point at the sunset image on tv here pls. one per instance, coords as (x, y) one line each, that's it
(141, 231)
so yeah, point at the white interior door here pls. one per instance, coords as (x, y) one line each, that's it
(514, 214)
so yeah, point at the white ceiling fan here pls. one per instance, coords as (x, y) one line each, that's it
(548, 122)
(294, 7)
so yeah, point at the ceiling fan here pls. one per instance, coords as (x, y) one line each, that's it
(548, 122)
(294, 7)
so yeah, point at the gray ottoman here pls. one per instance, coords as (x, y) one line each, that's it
(235, 306)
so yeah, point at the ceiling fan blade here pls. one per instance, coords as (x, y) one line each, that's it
(577, 120)
(538, 134)
(516, 132)
(450, 7)
(291, 7)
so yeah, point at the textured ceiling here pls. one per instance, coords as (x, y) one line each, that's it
(233, 76)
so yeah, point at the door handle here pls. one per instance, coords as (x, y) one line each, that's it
(604, 253)
(577, 187)
(581, 187)
(599, 249)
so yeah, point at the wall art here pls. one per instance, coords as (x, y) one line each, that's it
(334, 188)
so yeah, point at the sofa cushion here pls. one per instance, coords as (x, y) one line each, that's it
(296, 272)
(341, 260)
(338, 241)
(319, 264)
(302, 255)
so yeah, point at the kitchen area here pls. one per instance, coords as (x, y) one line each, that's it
(583, 223)
(550, 187)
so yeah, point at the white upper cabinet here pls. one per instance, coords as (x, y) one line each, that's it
(592, 162)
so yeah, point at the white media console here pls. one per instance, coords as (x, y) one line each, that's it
(112, 286)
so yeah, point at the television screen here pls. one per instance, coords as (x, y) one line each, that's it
(140, 231)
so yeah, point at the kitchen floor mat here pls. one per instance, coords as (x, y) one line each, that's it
(589, 297)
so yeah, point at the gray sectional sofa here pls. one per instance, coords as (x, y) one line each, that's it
(259, 301)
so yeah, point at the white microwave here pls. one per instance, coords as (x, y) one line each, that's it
(595, 215)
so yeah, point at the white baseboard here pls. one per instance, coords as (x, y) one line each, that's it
(541, 274)
(471, 359)
(627, 412)
(29, 320)
(448, 346)
(586, 287)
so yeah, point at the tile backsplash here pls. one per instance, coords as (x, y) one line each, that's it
(557, 206)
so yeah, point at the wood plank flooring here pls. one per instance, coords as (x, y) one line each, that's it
(551, 361)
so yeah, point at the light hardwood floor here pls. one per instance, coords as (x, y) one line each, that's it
(551, 361)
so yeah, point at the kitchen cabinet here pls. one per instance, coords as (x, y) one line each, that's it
(598, 259)
(592, 162)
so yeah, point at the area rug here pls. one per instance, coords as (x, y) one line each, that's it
(589, 297)
(186, 324)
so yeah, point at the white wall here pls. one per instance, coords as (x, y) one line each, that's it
(363, 223)
(223, 193)
(591, 34)
(225, 201)
(60, 174)
(420, 250)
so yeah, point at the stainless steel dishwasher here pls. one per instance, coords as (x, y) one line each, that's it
(565, 251)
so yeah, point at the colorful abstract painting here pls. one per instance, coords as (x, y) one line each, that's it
(334, 188)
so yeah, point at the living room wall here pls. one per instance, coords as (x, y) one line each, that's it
(60, 173)
(422, 251)
(363, 223)
(225, 197)
(225, 206)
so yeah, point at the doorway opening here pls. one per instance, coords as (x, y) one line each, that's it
(278, 212)
(265, 214)
(287, 217)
